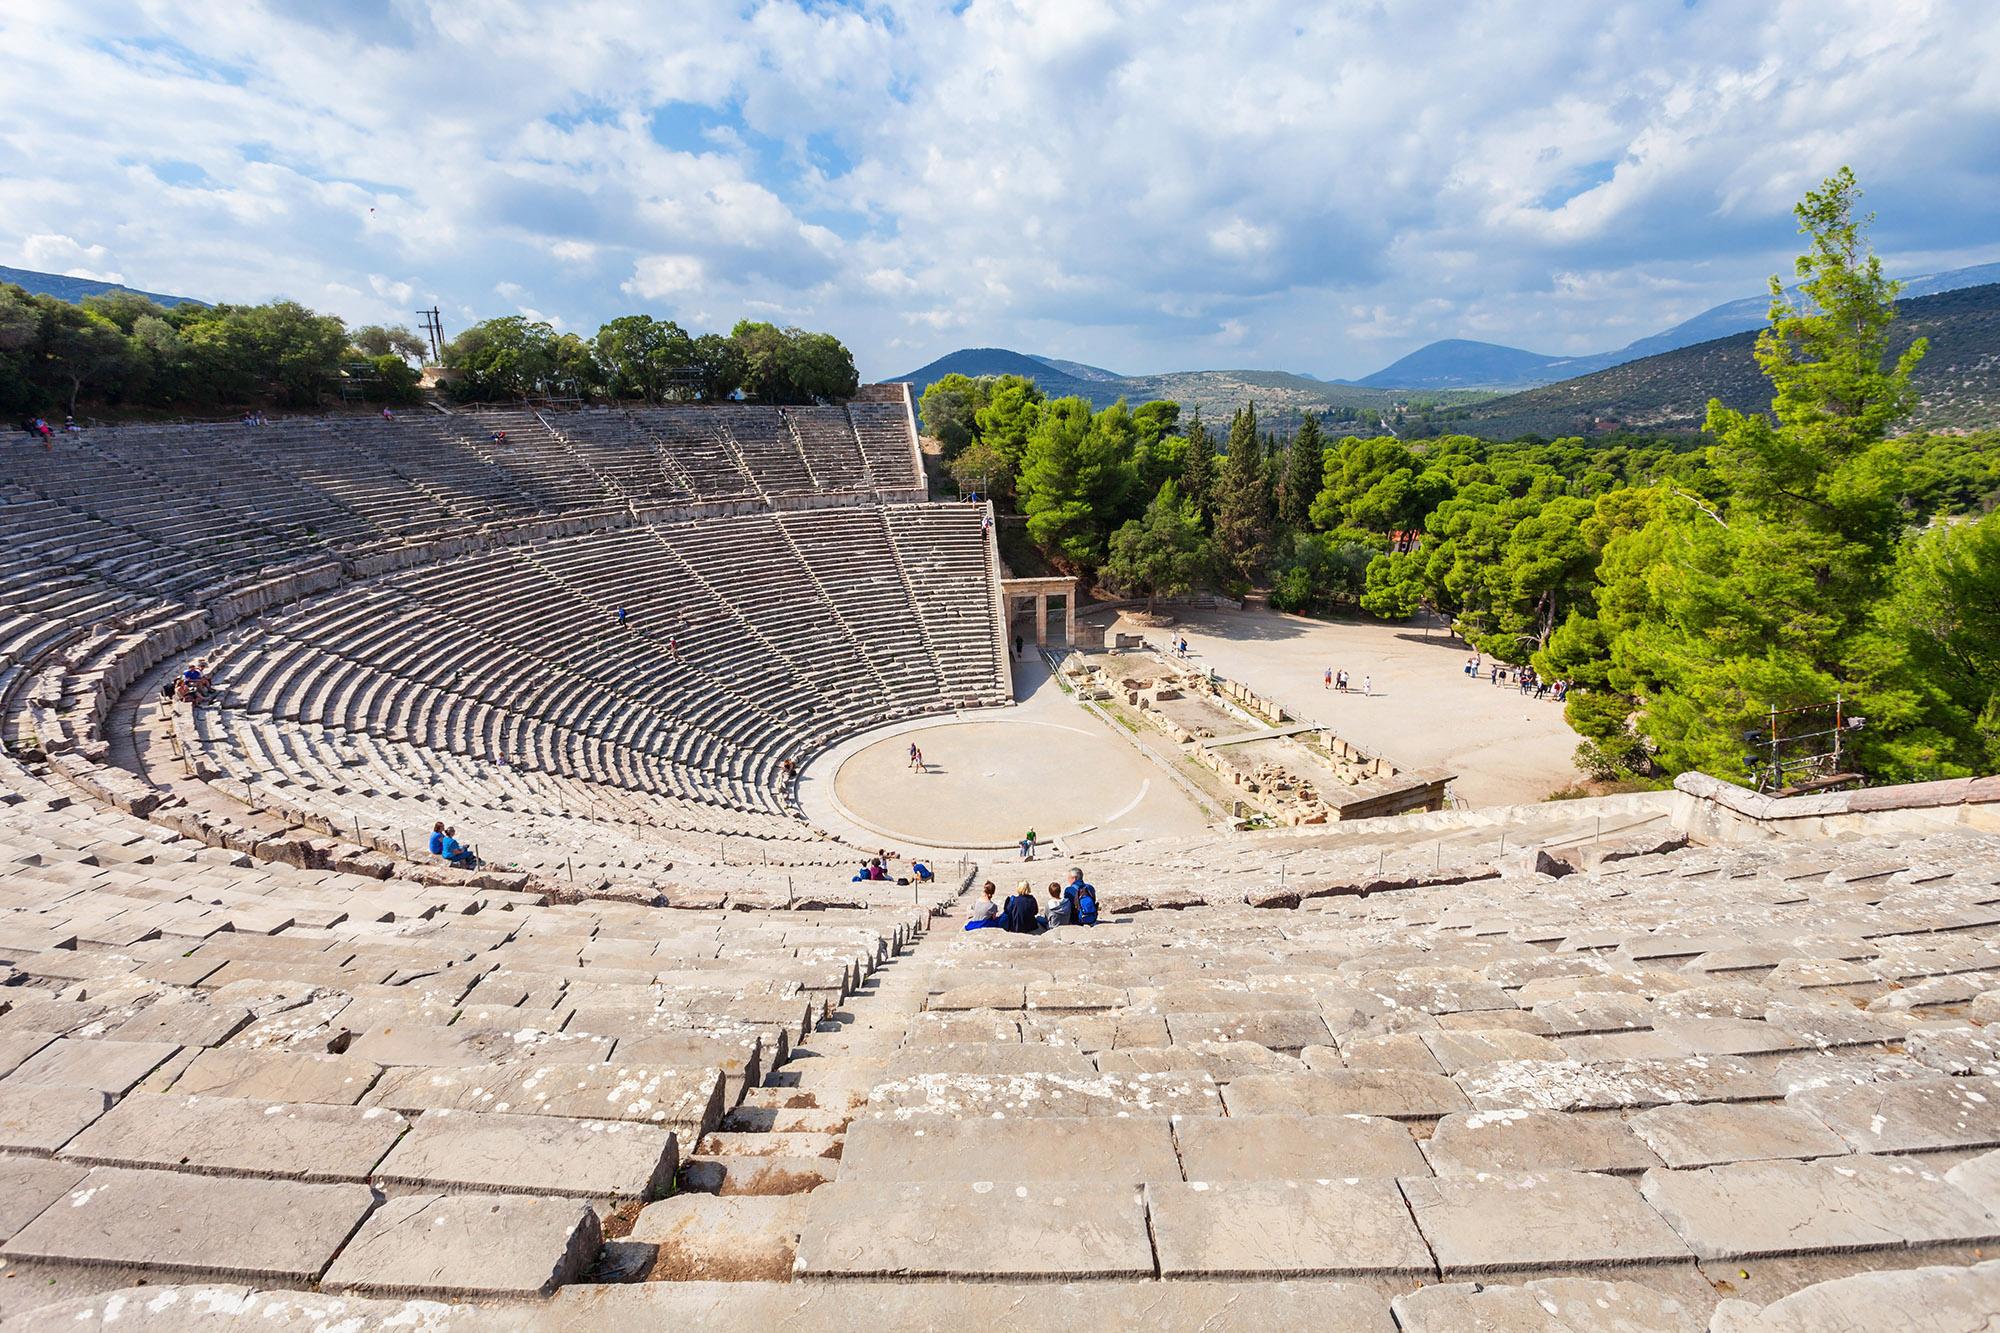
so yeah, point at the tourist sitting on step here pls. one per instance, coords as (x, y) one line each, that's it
(1021, 914)
(457, 853)
(1080, 899)
(1060, 912)
(985, 911)
(437, 839)
(922, 871)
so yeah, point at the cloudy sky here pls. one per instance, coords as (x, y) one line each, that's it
(1149, 186)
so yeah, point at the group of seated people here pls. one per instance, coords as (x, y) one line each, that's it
(445, 844)
(877, 868)
(1070, 904)
(192, 686)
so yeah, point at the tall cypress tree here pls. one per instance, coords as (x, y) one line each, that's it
(1198, 469)
(1304, 475)
(1243, 499)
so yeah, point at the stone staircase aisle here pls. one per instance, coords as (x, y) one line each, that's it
(742, 1195)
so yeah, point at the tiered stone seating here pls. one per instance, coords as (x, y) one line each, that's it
(210, 1067)
(749, 639)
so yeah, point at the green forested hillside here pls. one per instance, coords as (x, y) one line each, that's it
(1957, 384)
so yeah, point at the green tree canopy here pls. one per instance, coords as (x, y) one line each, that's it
(1160, 554)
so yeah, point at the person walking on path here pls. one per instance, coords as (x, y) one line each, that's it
(621, 617)
(916, 758)
(1368, 685)
(1327, 682)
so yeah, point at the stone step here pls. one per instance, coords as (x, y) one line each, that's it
(460, 1246)
(761, 1175)
(174, 1223)
(706, 1238)
(229, 1136)
(484, 1152)
(976, 1230)
(687, 1101)
(770, 1145)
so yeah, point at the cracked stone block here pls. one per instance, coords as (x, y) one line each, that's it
(1707, 1135)
(980, 1229)
(1571, 1304)
(1915, 1115)
(225, 1135)
(37, 1121)
(1280, 1147)
(1269, 1228)
(468, 1246)
(1556, 1219)
(489, 1152)
(173, 1222)
(1529, 1141)
(1752, 1209)
(1091, 1148)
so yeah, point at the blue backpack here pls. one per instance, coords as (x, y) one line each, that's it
(1086, 905)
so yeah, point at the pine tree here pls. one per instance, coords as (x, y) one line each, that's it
(1198, 469)
(1304, 474)
(1243, 500)
(1767, 602)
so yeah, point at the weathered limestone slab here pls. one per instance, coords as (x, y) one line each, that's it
(1557, 1219)
(277, 1076)
(108, 1066)
(1753, 1209)
(1957, 1051)
(1456, 1050)
(688, 1101)
(1575, 1086)
(1603, 1011)
(1397, 1094)
(490, 1152)
(1979, 1177)
(960, 1095)
(980, 1229)
(1706, 1135)
(1827, 1027)
(187, 1024)
(18, 1045)
(229, 1136)
(26, 1188)
(174, 1222)
(1028, 1307)
(1569, 1304)
(1916, 1298)
(1528, 1141)
(460, 1044)
(1394, 1050)
(992, 1057)
(1279, 1030)
(37, 1121)
(1222, 1061)
(445, 1245)
(1088, 1148)
(1300, 1228)
(1910, 1116)
(758, 1176)
(1434, 995)
(1281, 1147)
(986, 995)
(708, 1238)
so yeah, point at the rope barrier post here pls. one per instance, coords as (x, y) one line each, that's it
(406, 843)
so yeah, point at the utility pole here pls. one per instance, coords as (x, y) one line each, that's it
(434, 330)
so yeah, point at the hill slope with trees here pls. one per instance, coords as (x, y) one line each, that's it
(1957, 383)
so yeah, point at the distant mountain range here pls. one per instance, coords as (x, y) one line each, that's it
(1456, 363)
(1958, 381)
(75, 289)
(1279, 395)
